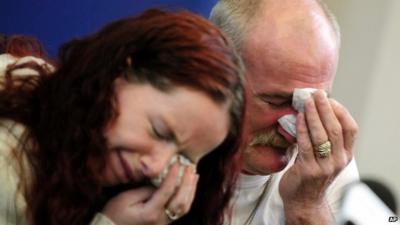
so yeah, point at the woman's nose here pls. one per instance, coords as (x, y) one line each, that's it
(154, 163)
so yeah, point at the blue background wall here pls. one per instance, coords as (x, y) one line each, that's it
(55, 22)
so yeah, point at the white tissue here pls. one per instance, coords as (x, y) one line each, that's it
(300, 95)
(288, 123)
(183, 162)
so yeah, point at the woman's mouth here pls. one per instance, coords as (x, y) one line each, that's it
(129, 172)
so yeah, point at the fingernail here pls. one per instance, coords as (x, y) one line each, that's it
(192, 168)
(196, 178)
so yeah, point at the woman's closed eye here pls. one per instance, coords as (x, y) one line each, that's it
(161, 131)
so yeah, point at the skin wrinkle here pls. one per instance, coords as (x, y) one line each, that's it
(189, 138)
(161, 50)
(288, 28)
(293, 44)
(290, 51)
(301, 72)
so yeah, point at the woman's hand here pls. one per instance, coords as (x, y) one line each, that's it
(147, 205)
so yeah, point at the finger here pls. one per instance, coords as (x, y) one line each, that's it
(166, 190)
(180, 202)
(134, 196)
(330, 122)
(314, 124)
(194, 184)
(306, 151)
(349, 125)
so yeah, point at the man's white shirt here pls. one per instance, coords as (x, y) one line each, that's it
(270, 211)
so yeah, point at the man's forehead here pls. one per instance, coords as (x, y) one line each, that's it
(281, 84)
(283, 71)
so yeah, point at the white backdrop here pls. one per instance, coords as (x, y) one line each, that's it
(368, 83)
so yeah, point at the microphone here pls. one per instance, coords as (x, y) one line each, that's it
(361, 205)
(383, 192)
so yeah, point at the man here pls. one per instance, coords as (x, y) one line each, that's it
(288, 44)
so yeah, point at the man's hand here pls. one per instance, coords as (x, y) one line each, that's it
(147, 205)
(304, 185)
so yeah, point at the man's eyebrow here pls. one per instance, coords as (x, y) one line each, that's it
(283, 95)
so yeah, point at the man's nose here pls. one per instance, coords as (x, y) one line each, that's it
(288, 111)
(288, 137)
(291, 110)
(285, 111)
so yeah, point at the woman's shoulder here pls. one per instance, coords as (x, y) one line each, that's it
(12, 205)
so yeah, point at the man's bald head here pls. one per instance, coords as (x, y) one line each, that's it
(236, 17)
(282, 34)
(285, 44)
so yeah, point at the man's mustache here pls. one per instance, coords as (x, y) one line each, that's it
(270, 138)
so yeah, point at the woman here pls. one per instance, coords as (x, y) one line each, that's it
(21, 45)
(122, 104)
(17, 50)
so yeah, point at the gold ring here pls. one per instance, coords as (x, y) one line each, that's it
(323, 150)
(171, 215)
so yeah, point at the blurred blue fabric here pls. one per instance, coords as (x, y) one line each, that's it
(55, 22)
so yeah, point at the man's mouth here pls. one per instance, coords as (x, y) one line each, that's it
(270, 139)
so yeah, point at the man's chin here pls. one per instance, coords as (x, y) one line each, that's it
(264, 160)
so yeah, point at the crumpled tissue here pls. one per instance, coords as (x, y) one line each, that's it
(300, 95)
(183, 162)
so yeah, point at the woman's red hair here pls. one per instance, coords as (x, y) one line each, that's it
(66, 112)
(22, 45)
